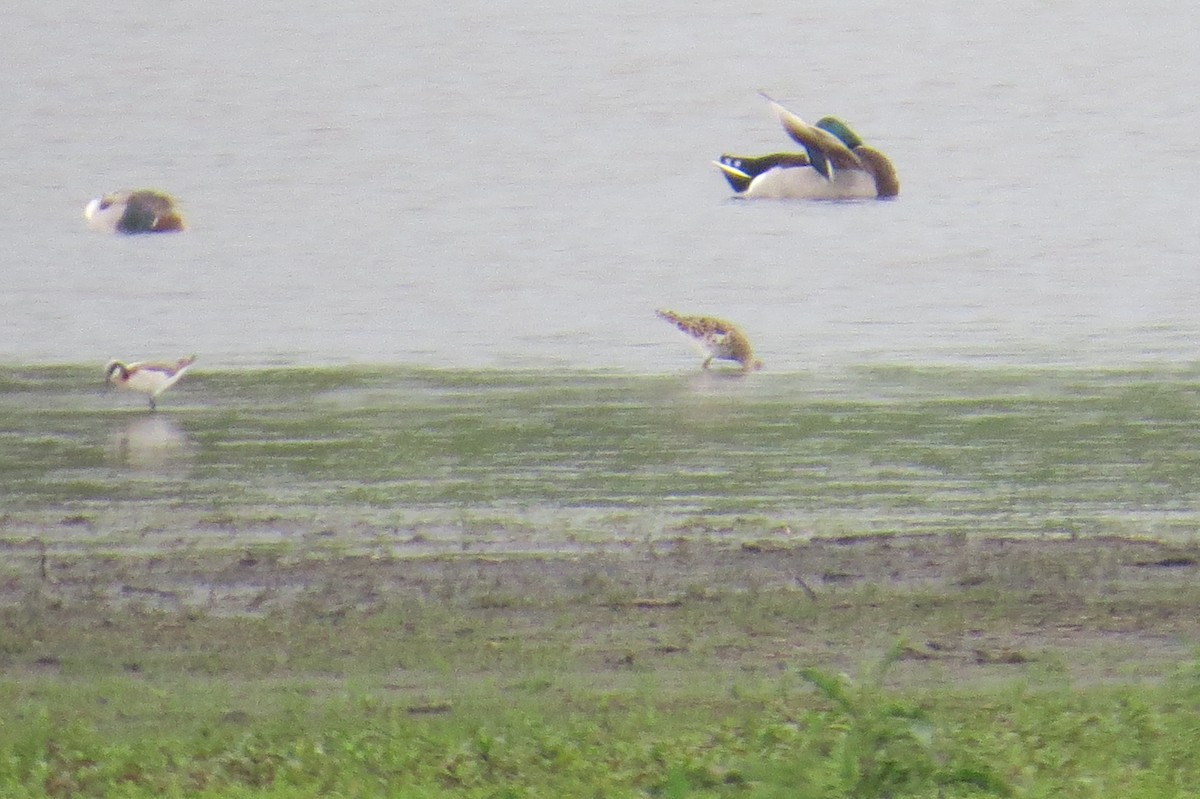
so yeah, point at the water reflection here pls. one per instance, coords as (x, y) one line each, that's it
(152, 442)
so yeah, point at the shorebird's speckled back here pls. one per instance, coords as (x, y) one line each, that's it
(719, 339)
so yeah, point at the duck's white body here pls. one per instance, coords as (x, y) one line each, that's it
(806, 183)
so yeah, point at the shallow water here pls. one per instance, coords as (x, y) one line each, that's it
(515, 185)
(523, 458)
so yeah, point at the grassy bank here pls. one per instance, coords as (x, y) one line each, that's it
(776, 743)
(363, 582)
(696, 670)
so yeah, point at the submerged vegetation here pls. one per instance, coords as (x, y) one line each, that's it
(367, 582)
(912, 448)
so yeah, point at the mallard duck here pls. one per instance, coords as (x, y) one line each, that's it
(147, 378)
(716, 338)
(137, 211)
(835, 165)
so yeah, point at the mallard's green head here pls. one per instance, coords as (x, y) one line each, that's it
(840, 129)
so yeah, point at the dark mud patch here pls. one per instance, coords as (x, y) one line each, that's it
(968, 609)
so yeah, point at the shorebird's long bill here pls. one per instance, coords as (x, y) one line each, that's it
(731, 170)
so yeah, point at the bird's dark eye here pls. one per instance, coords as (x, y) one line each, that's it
(105, 204)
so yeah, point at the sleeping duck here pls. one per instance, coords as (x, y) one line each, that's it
(835, 165)
(138, 211)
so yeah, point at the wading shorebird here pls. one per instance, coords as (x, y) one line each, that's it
(138, 211)
(835, 165)
(148, 378)
(717, 338)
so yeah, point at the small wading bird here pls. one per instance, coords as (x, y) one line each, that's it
(148, 378)
(835, 165)
(717, 338)
(138, 211)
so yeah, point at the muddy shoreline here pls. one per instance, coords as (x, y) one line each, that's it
(1100, 608)
(1031, 522)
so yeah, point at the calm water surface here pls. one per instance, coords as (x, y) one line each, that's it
(522, 184)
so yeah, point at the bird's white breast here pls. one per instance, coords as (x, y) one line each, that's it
(805, 183)
(104, 219)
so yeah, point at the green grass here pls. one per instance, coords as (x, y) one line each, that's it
(141, 736)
